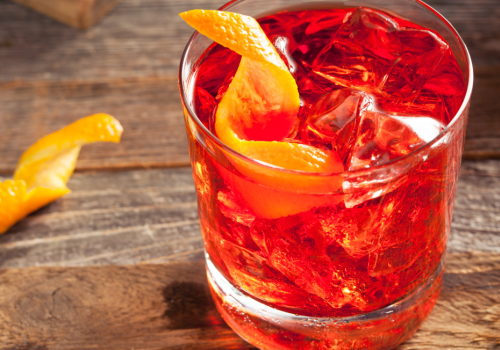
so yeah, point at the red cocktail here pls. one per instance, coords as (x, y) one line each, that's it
(355, 259)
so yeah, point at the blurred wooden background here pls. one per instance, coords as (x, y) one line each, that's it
(64, 286)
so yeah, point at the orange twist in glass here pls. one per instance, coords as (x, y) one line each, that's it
(258, 110)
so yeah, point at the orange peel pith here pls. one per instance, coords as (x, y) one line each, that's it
(45, 167)
(258, 110)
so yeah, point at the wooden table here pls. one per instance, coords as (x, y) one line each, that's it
(118, 263)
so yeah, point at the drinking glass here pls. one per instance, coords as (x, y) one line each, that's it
(389, 224)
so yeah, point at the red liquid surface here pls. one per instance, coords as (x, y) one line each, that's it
(374, 88)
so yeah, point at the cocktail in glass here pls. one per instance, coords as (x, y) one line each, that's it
(345, 260)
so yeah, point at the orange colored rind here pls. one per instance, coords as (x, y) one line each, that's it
(47, 165)
(262, 101)
(242, 34)
(272, 203)
(258, 110)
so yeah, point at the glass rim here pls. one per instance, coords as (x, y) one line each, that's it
(357, 172)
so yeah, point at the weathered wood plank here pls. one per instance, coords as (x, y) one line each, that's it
(459, 310)
(126, 66)
(168, 306)
(52, 75)
(138, 39)
(142, 307)
(135, 216)
(148, 108)
(483, 130)
(111, 218)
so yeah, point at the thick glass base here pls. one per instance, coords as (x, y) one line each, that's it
(269, 328)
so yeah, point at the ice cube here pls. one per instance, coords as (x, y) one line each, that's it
(223, 87)
(206, 107)
(394, 259)
(282, 45)
(283, 24)
(212, 239)
(373, 52)
(351, 285)
(232, 209)
(307, 87)
(355, 230)
(355, 288)
(408, 241)
(326, 20)
(202, 180)
(427, 103)
(414, 228)
(297, 249)
(321, 26)
(331, 120)
(448, 81)
(382, 137)
(253, 274)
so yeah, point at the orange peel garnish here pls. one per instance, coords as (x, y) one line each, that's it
(45, 168)
(262, 100)
(258, 110)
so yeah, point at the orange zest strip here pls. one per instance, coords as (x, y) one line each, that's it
(262, 101)
(240, 33)
(45, 168)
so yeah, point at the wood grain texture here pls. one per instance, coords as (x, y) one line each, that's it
(483, 131)
(150, 216)
(141, 307)
(168, 306)
(127, 66)
(80, 14)
(467, 313)
(476, 217)
(138, 39)
(111, 218)
(148, 109)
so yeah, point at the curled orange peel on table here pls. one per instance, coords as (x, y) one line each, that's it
(45, 168)
(259, 110)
